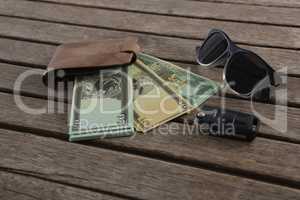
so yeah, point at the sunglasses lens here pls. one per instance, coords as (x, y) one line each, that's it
(212, 48)
(244, 71)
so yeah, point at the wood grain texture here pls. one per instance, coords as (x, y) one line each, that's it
(199, 9)
(263, 35)
(165, 47)
(267, 3)
(125, 174)
(19, 187)
(177, 142)
(138, 176)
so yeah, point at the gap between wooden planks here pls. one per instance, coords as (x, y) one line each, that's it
(133, 176)
(260, 35)
(264, 3)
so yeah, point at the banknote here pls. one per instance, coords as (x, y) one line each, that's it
(194, 88)
(102, 105)
(154, 104)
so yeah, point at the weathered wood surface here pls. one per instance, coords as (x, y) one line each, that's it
(198, 9)
(255, 34)
(128, 175)
(175, 142)
(23, 187)
(38, 163)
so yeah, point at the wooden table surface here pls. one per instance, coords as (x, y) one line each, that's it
(37, 161)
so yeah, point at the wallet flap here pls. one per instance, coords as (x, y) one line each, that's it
(84, 57)
(94, 54)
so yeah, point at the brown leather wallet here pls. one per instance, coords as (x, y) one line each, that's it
(83, 58)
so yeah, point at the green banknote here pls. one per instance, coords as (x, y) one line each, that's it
(154, 103)
(102, 105)
(194, 88)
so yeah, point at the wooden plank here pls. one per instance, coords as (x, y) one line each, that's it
(177, 142)
(18, 51)
(199, 9)
(129, 175)
(165, 47)
(19, 187)
(261, 35)
(267, 3)
(32, 85)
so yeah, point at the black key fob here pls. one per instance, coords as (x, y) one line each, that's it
(228, 123)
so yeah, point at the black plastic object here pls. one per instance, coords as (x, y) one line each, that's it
(228, 123)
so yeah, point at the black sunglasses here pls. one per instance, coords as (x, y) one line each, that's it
(247, 74)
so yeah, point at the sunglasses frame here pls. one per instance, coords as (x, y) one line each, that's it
(272, 78)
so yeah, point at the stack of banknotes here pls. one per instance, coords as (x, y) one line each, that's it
(137, 98)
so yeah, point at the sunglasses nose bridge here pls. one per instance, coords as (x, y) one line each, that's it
(233, 48)
(224, 58)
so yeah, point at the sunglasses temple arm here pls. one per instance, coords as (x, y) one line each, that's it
(277, 79)
(274, 76)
